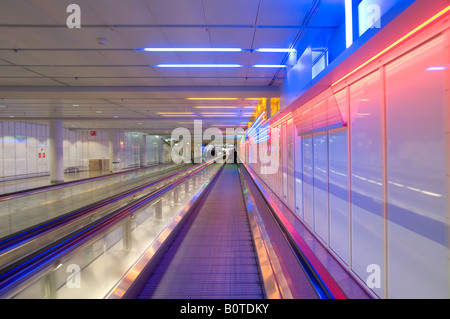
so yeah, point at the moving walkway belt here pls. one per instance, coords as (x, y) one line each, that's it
(213, 255)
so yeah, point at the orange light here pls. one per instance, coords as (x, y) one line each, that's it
(409, 34)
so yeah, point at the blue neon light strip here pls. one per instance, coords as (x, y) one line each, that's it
(182, 65)
(262, 50)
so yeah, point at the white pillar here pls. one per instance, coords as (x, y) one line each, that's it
(143, 151)
(114, 150)
(160, 150)
(56, 152)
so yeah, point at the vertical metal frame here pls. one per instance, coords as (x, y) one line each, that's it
(385, 178)
(349, 167)
(447, 137)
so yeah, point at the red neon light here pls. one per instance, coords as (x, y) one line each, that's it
(282, 119)
(323, 273)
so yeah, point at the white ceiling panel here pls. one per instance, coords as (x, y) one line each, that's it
(28, 82)
(231, 12)
(274, 38)
(120, 11)
(286, 12)
(231, 37)
(63, 66)
(114, 81)
(93, 71)
(26, 12)
(176, 11)
(187, 37)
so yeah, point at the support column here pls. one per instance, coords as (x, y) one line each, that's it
(143, 151)
(56, 152)
(160, 150)
(114, 151)
(268, 108)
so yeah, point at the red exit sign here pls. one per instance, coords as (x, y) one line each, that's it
(93, 133)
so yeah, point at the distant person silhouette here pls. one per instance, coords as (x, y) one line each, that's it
(235, 156)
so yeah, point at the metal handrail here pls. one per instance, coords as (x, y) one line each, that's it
(45, 188)
(36, 264)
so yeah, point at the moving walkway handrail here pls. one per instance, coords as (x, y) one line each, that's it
(45, 188)
(316, 271)
(16, 238)
(27, 268)
(275, 284)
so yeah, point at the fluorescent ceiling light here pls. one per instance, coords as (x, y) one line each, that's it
(179, 115)
(191, 49)
(274, 50)
(348, 23)
(268, 66)
(436, 68)
(198, 65)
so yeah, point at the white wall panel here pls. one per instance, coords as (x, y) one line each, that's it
(31, 148)
(284, 160)
(321, 185)
(417, 212)
(338, 194)
(367, 176)
(298, 172)
(308, 180)
(290, 164)
(9, 149)
(21, 148)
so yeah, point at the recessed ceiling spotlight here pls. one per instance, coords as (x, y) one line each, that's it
(76, 105)
(101, 41)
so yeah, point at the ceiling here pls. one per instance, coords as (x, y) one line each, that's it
(48, 71)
